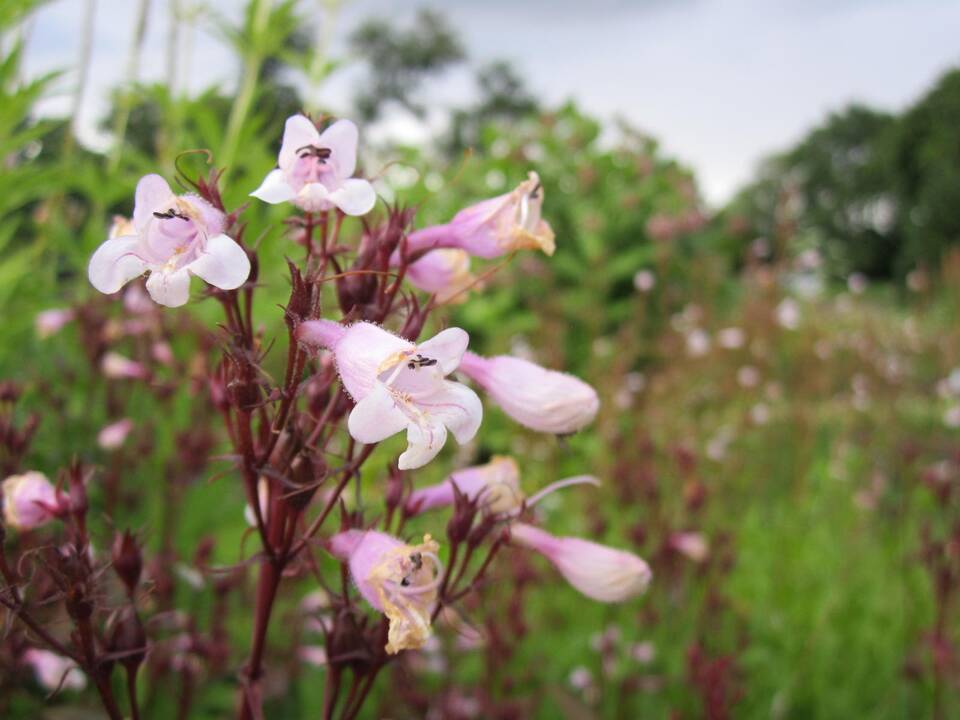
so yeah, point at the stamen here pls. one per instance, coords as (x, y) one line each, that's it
(559, 484)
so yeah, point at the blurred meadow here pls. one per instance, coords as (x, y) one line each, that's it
(779, 374)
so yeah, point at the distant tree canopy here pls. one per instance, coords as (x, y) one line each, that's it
(876, 193)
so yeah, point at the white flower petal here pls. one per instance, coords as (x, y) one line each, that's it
(446, 347)
(115, 263)
(354, 197)
(274, 189)
(423, 444)
(341, 138)
(457, 407)
(153, 194)
(376, 417)
(170, 289)
(297, 132)
(223, 263)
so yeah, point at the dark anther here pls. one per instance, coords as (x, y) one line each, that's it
(535, 193)
(322, 154)
(420, 361)
(170, 214)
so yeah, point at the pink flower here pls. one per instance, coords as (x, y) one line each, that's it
(690, 544)
(444, 272)
(398, 385)
(493, 227)
(30, 500)
(50, 322)
(54, 671)
(496, 484)
(173, 238)
(117, 367)
(315, 168)
(541, 399)
(598, 571)
(115, 434)
(397, 579)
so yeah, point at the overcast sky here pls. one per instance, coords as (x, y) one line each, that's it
(720, 82)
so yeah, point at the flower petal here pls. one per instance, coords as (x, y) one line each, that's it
(170, 289)
(341, 138)
(297, 132)
(355, 197)
(152, 195)
(223, 263)
(446, 347)
(457, 407)
(376, 417)
(274, 189)
(115, 263)
(423, 443)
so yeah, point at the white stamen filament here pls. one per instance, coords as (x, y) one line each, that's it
(559, 484)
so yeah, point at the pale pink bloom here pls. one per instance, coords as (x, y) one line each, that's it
(698, 343)
(173, 238)
(313, 655)
(444, 272)
(315, 169)
(496, 485)
(644, 652)
(644, 280)
(162, 352)
(662, 227)
(399, 385)
(541, 399)
(50, 322)
(397, 579)
(690, 544)
(30, 500)
(493, 227)
(117, 367)
(731, 338)
(748, 376)
(788, 314)
(599, 572)
(115, 434)
(54, 671)
(857, 283)
(137, 301)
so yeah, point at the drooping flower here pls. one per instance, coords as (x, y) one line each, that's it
(315, 169)
(117, 367)
(30, 500)
(444, 272)
(399, 385)
(541, 399)
(496, 484)
(690, 544)
(397, 579)
(599, 572)
(173, 237)
(115, 434)
(493, 227)
(54, 671)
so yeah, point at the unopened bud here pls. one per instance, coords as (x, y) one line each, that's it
(127, 640)
(127, 560)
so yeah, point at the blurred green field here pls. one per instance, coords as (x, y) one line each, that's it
(799, 429)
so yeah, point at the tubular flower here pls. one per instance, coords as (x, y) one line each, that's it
(397, 579)
(493, 227)
(541, 399)
(315, 168)
(29, 501)
(496, 485)
(114, 435)
(400, 385)
(599, 572)
(53, 671)
(444, 272)
(173, 237)
(49, 322)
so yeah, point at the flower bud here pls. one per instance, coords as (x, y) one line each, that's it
(114, 435)
(50, 322)
(30, 500)
(540, 399)
(598, 571)
(117, 367)
(127, 560)
(127, 639)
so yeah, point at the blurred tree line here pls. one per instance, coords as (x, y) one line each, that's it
(876, 193)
